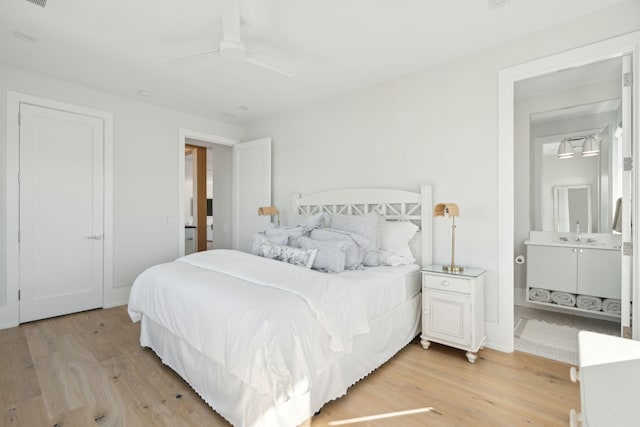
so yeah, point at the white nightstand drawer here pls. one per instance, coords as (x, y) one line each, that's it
(447, 283)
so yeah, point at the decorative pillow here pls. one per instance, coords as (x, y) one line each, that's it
(394, 243)
(308, 221)
(260, 238)
(292, 233)
(364, 225)
(354, 253)
(331, 254)
(295, 256)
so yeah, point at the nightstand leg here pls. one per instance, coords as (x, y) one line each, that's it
(425, 343)
(471, 357)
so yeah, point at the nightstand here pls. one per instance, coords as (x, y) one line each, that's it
(453, 309)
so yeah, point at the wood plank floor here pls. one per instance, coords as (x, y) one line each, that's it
(88, 369)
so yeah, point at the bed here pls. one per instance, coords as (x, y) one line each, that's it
(261, 349)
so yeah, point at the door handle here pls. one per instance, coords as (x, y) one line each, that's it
(95, 237)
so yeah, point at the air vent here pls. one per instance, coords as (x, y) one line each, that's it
(41, 3)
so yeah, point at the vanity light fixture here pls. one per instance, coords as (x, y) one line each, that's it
(589, 146)
(565, 149)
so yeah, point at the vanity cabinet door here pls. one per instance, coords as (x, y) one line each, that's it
(599, 273)
(551, 267)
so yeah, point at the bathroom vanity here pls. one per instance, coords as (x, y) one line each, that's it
(591, 267)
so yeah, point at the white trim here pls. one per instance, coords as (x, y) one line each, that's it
(183, 134)
(395, 205)
(9, 313)
(502, 333)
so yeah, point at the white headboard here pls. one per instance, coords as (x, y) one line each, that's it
(394, 205)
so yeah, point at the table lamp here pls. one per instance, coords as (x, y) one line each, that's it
(452, 210)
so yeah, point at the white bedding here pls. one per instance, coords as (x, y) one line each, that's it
(384, 288)
(272, 325)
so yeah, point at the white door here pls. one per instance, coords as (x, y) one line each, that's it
(627, 191)
(61, 212)
(251, 190)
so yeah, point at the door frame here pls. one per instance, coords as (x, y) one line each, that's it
(607, 49)
(183, 135)
(9, 313)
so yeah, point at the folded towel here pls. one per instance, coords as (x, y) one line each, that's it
(611, 306)
(539, 295)
(587, 302)
(563, 298)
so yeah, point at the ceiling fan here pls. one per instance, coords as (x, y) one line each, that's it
(232, 48)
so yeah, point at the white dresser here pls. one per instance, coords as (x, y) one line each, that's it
(453, 309)
(609, 378)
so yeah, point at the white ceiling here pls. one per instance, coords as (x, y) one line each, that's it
(338, 45)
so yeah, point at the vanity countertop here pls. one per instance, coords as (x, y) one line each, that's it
(569, 244)
(610, 242)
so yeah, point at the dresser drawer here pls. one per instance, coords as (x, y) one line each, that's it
(452, 284)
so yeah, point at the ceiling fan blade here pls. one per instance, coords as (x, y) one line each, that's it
(193, 54)
(230, 17)
(270, 63)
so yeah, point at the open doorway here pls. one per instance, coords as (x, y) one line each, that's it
(578, 146)
(205, 192)
(207, 196)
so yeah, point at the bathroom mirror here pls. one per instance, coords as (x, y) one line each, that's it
(584, 188)
(572, 206)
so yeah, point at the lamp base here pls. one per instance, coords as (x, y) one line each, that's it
(453, 268)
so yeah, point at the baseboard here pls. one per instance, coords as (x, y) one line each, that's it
(115, 304)
(498, 347)
(8, 325)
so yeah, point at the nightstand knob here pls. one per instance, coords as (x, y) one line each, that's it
(445, 283)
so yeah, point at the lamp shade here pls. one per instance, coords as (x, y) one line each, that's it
(591, 147)
(565, 149)
(446, 209)
(268, 210)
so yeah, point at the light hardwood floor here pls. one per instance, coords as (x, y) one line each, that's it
(88, 369)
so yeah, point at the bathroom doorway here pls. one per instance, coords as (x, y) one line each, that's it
(568, 138)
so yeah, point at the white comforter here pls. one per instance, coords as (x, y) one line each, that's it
(271, 324)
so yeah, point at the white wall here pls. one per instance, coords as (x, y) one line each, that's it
(145, 169)
(439, 126)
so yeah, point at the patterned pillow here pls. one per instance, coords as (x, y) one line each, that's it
(260, 238)
(295, 256)
(364, 225)
(331, 254)
(292, 233)
(354, 253)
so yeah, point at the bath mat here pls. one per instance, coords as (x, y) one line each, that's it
(557, 342)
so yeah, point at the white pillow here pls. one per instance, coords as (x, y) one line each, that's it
(364, 225)
(292, 233)
(295, 256)
(260, 238)
(308, 221)
(356, 250)
(331, 256)
(394, 242)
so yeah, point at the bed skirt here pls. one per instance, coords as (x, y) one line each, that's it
(244, 406)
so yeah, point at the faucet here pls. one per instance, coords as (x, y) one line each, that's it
(577, 230)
